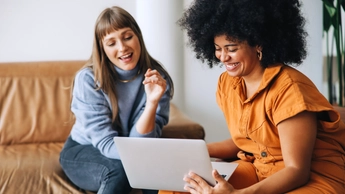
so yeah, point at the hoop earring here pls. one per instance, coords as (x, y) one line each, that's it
(260, 55)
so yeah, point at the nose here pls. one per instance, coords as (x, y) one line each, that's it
(224, 56)
(122, 46)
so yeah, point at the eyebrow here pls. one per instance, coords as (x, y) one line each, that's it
(121, 34)
(127, 31)
(227, 45)
(106, 39)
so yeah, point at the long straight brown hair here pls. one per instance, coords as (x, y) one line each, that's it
(111, 19)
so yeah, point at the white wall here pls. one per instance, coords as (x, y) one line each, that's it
(34, 30)
(312, 66)
(39, 30)
(163, 38)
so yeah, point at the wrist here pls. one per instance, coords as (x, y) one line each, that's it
(151, 105)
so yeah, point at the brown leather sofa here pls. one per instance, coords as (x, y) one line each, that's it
(35, 120)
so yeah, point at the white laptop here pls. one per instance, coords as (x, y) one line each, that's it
(161, 163)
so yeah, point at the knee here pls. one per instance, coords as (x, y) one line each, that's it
(115, 169)
(114, 178)
(245, 171)
(115, 172)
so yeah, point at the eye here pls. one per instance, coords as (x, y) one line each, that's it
(128, 37)
(217, 49)
(231, 49)
(111, 44)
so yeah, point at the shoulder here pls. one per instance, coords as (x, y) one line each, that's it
(85, 75)
(281, 77)
(84, 72)
(292, 75)
(84, 79)
(292, 92)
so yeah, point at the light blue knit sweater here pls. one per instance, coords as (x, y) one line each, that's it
(92, 110)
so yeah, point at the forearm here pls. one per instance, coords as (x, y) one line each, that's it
(297, 148)
(224, 149)
(283, 181)
(146, 122)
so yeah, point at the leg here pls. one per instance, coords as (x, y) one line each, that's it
(87, 168)
(147, 191)
(244, 175)
(171, 192)
(320, 185)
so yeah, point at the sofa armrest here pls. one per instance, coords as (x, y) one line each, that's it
(181, 126)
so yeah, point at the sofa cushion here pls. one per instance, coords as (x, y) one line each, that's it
(34, 101)
(181, 126)
(35, 165)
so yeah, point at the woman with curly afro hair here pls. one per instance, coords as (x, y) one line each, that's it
(285, 136)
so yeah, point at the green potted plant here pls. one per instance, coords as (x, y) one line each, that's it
(333, 33)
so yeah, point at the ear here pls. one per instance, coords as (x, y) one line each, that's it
(258, 48)
(259, 52)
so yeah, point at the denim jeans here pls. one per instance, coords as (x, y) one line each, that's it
(89, 170)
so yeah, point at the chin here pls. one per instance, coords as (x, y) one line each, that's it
(232, 74)
(129, 66)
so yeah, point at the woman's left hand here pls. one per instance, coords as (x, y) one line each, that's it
(155, 85)
(197, 185)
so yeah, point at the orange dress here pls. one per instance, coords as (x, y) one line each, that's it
(283, 93)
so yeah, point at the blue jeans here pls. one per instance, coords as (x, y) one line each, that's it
(89, 170)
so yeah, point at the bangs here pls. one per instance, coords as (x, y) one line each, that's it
(111, 21)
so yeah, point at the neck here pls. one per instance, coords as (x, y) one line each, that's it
(126, 76)
(253, 81)
(131, 79)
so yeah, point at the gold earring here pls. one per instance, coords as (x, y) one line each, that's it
(260, 55)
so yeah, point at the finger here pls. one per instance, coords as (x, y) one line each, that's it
(147, 72)
(196, 181)
(151, 72)
(189, 189)
(189, 184)
(149, 75)
(217, 176)
(155, 80)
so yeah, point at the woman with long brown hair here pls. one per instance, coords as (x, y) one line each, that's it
(121, 91)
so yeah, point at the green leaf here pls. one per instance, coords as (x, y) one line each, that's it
(331, 2)
(342, 3)
(330, 8)
(328, 13)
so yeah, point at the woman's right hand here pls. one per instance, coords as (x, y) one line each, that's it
(155, 85)
(197, 185)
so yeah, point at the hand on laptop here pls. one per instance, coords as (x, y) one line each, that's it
(197, 185)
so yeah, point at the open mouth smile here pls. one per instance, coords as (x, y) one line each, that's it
(231, 66)
(126, 56)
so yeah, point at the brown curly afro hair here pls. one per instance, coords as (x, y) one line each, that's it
(275, 25)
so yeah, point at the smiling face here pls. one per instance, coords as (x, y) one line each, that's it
(239, 58)
(122, 48)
